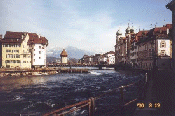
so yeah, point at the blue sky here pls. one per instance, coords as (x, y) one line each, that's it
(86, 24)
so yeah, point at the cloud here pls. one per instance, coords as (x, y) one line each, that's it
(83, 24)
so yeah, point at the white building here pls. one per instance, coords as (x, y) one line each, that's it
(110, 57)
(37, 47)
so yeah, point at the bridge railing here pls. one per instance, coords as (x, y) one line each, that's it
(90, 103)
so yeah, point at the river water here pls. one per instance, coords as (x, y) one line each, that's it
(36, 95)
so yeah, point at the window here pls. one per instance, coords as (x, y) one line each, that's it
(14, 61)
(18, 61)
(39, 57)
(34, 60)
(24, 56)
(24, 61)
(39, 47)
(34, 54)
(39, 52)
(162, 52)
(7, 61)
(162, 44)
(17, 56)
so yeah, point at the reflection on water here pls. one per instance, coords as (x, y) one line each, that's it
(17, 82)
(38, 94)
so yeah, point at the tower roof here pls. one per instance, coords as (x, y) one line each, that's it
(63, 53)
(128, 29)
(119, 32)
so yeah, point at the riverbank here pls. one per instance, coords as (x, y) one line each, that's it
(40, 71)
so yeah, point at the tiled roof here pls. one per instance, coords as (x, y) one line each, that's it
(140, 33)
(110, 52)
(34, 39)
(13, 37)
(63, 53)
(17, 37)
(169, 26)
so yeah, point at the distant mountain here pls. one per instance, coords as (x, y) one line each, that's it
(72, 52)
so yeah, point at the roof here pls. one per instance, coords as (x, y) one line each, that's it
(14, 37)
(140, 33)
(110, 52)
(35, 39)
(63, 53)
(158, 32)
(169, 26)
(17, 37)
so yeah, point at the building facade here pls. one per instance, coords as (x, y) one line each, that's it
(15, 51)
(146, 49)
(23, 50)
(37, 47)
(110, 57)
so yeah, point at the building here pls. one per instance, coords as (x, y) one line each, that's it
(134, 50)
(118, 47)
(37, 47)
(146, 49)
(123, 46)
(15, 51)
(171, 6)
(110, 57)
(23, 50)
(96, 58)
(63, 56)
(144, 60)
(103, 59)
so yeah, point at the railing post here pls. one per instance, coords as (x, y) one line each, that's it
(146, 77)
(121, 98)
(91, 106)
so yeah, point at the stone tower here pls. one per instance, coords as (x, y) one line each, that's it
(117, 46)
(63, 56)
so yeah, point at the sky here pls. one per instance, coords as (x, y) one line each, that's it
(85, 24)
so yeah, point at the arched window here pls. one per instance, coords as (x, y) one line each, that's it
(162, 44)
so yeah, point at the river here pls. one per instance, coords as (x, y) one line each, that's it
(36, 95)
